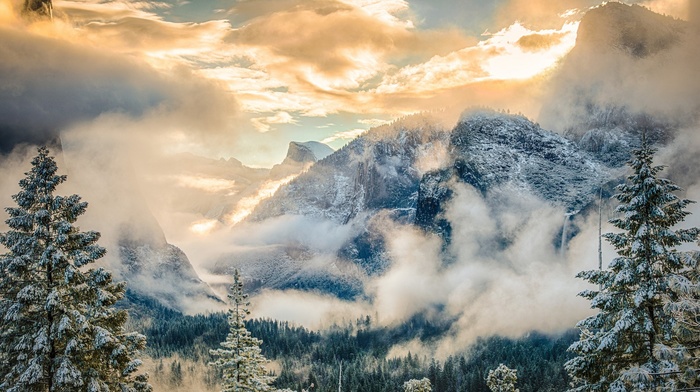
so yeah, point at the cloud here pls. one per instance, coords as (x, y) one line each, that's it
(263, 124)
(503, 275)
(501, 56)
(50, 83)
(676, 8)
(540, 14)
(47, 84)
(327, 52)
(314, 311)
(344, 135)
(373, 122)
(413, 284)
(535, 42)
(246, 205)
(652, 72)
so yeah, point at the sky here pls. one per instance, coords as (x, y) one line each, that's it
(243, 78)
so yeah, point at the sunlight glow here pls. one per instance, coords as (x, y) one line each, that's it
(204, 226)
(516, 62)
(246, 205)
(206, 184)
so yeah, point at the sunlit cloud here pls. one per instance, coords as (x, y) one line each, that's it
(384, 10)
(675, 8)
(264, 124)
(207, 184)
(204, 226)
(500, 57)
(246, 205)
(286, 61)
(525, 61)
(345, 135)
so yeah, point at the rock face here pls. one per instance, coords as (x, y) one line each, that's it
(380, 171)
(373, 172)
(489, 150)
(300, 156)
(307, 152)
(405, 174)
(153, 267)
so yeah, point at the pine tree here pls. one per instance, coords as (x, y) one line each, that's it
(683, 303)
(626, 346)
(422, 385)
(59, 330)
(240, 359)
(502, 379)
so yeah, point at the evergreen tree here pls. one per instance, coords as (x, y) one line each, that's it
(683, 303)
(240, 358)
(502, 379)
(422, 385)
(59, 330)
(625, 347)
(176, 373)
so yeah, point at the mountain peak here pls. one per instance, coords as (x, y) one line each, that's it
(631, 29)
(305, 152)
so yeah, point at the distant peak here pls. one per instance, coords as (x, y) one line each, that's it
(307, 151)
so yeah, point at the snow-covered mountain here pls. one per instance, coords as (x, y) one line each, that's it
(324, 229)
(384, 170)
(379, 170)
(137, 248)
(489, 150)
(162, 271)
(406, 173)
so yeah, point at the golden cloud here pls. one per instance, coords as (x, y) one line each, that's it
(676, 8)
(540, 14)
(536, 42)
(334, 45)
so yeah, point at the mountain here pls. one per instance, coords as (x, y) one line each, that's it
(307, 152)
(137, 249)
(381, 170)
(300, 156)
(156, 269)
(629, 30)
(325, 230)
(375, 171)
(406, 173)
(631, 71)
(489, 150)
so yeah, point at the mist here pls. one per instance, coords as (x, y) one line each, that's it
(503, 273)
(652, 73)
(107, 117)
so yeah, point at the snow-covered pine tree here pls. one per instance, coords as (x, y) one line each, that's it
(240, 359)
(59, 330)
(624, 346)
(502, 379)
(683, 303)
(422, 385)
